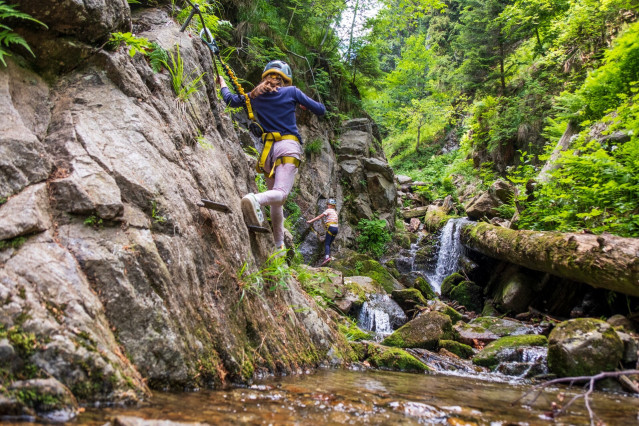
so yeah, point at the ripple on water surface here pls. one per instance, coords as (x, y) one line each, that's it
(374, 397)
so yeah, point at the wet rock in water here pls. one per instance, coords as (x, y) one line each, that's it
(583, 347)
(488, 329)
(459, 349)
(381, 314)
(425, 331)
(138, 421)
(50, 399)
(393, 359)
(441, 361)
(469, 294)
(511, 349)
(409, 298)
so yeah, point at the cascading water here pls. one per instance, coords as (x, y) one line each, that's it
(450, 250)
(380, 314)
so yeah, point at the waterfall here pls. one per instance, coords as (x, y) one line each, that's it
(380, 314)
(450, 250)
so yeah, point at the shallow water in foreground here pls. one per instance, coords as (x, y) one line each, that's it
(373, 397)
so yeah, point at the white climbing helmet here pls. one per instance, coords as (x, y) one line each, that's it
(281, 68)
(332, 201)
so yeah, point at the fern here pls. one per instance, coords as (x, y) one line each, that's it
(157, 57)
(7, 36)
(135, 44)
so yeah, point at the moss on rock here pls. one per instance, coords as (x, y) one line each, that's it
(488, 357)
(409, 298)
(394, 359)
(459, 349)
(352, 332)
(427, 291)
(449, 282)
(356, 264)
(468, 294)
(425, 331)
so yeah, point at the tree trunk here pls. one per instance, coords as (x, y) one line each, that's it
(604, 261)
(562, 145)
(350, 39)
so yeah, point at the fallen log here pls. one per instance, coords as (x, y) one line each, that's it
(603, 261)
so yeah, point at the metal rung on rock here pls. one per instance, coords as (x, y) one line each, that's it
(214, 206)
(260, 229)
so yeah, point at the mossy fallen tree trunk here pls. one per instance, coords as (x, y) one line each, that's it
(604, 261)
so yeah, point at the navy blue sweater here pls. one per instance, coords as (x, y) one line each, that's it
(276, 110)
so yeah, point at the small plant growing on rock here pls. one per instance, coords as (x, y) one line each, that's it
(314, 147)
(155, 213)
(93, 221)
(184, 85)
(8, 37)
(373, 237)
(134, 43)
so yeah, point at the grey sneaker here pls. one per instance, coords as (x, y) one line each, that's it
(252, 210)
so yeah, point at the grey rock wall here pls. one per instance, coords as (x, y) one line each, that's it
(107, 263)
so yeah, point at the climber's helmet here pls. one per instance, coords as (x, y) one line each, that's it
(280, 68)
(331, 202)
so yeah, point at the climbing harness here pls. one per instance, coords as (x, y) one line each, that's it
(269, 139)
(328, 225)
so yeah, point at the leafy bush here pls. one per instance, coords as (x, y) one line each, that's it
(373, 237)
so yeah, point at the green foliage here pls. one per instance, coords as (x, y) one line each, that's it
(184, 84)
(7, 36)
(134, 43)
(157, 57)
(313, 283)
(352, 332)
(373, 237)
(273, 275)
(156, 216)
(313, 147)
(93, 221)
(14, 243)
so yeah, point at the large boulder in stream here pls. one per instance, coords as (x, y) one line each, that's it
(515, 355)
(425, 331)
(583, 347)
(389, 358)
(484, 330)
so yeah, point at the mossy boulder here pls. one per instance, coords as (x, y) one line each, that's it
(46, 397)
(408, 299)
(583, 347)
(468, 294)
(488, 329)
(459, 349)
(439, 306)
(355, 264)
(352, 332)
(424, 287)
(450, 282)
(425, 331)
(436, 218)
(490, 355)
(394, 359)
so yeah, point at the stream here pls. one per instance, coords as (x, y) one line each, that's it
(373, 397)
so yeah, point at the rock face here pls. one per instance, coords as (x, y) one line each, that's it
(364, 169)
(583, 347)
(108, 266)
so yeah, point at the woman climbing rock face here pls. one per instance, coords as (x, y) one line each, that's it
(274, 100)
(330, 219)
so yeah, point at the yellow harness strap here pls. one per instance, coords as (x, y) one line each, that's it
(328, 225)
(269, 139)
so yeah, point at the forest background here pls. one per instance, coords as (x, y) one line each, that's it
(465, 92)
